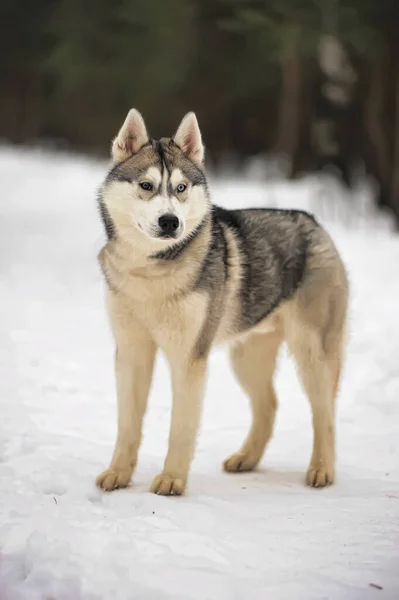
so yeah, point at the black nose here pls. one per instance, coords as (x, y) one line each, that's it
(168, 223)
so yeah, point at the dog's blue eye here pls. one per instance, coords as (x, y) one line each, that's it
(181, 187)
(145, 185)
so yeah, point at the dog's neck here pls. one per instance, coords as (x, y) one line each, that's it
(123, 260)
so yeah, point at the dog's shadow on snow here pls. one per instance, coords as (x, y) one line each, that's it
(262, 480)
(276, 477)
(268, 476)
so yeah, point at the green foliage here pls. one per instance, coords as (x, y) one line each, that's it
(129, 45)
(99, 57)
(24, 40)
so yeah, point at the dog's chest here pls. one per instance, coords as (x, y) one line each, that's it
(160, 296)
(172, 322)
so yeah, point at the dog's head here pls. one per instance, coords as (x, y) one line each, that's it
(156, 191)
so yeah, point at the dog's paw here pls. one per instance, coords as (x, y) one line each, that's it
(112, 479)
(165, 485)
(240, 462)
(320, 476)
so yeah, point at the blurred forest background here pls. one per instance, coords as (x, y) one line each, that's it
(313, 82)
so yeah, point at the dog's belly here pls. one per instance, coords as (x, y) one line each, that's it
(227, 335)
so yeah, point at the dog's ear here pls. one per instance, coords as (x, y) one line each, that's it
(188, 138)
(131, 137)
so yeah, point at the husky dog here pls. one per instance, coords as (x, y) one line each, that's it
(183, 275)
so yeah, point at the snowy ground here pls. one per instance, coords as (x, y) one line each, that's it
(232, 537)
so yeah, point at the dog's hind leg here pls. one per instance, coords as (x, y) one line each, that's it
(317, 349)
(254, 362)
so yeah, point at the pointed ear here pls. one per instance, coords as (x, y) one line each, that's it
(131, 137)
(188, 138)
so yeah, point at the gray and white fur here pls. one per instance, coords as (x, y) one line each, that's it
(184, 275)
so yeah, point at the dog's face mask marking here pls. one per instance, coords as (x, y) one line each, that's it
(156, 187)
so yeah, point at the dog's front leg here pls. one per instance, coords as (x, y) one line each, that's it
(134, 367)
(188, 379)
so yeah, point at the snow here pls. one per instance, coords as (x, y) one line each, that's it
(248, 536)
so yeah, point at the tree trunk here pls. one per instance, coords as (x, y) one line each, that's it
(379, 164)
(290, 109)
(395, 161)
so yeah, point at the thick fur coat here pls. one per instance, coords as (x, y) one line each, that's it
(184, 275)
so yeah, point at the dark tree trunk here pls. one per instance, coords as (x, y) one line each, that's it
(395, 161)
(289, 120)
(378, 161)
